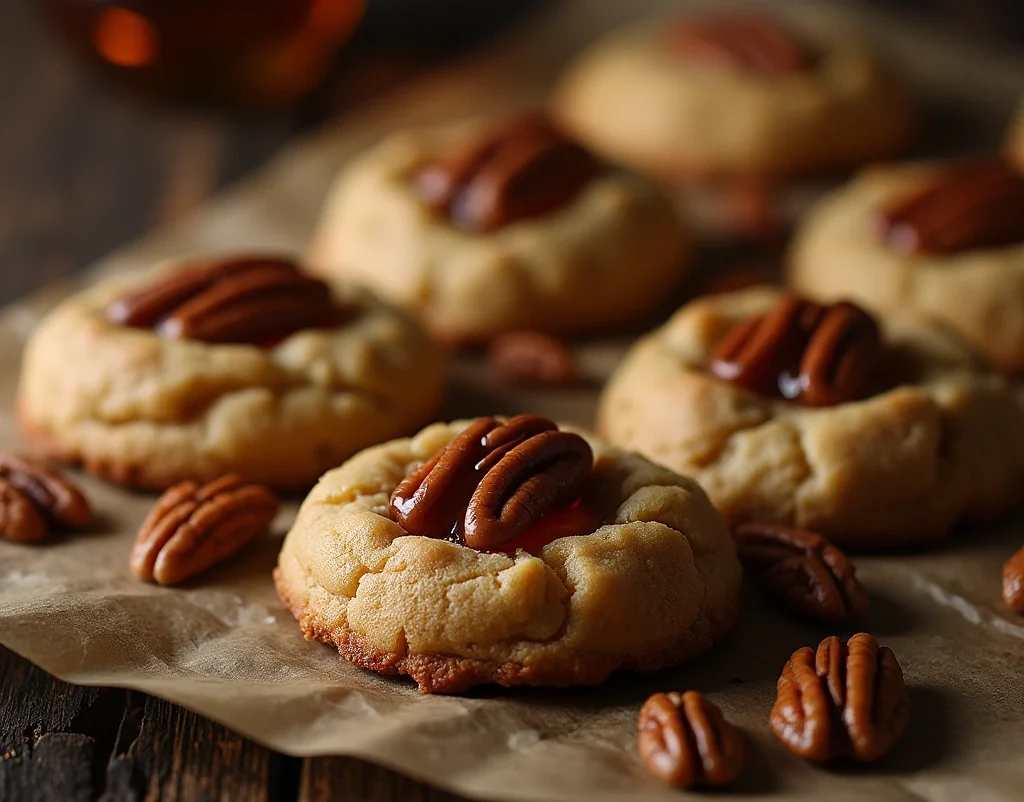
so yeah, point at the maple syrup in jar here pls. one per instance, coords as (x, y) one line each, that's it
(251, 52)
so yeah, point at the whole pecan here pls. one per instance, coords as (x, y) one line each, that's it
(524, 167)
(493, 481)
(739, 41)
(34, 496)
(193, 527)
(243, 299)
(685, 741)
(802, 351)
(1013, 582)
(972, 204)
(803, 570)
(845, 700)
(526, 356)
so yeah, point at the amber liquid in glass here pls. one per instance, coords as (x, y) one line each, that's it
(254, 52)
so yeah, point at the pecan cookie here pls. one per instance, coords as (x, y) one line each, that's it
(482, 228)
(872, 432)
(240, 364)
(733, 95)
(508, 552)
(945, 240)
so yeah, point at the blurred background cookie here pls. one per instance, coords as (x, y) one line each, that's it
(943, 239)
(481, 228)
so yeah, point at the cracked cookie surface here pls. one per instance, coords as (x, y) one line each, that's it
(655, 585)
(898, 467)
(609, 256)
(150, 411)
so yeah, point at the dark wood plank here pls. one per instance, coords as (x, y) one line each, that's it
(163, 752)
(326, 779)
(54, 737)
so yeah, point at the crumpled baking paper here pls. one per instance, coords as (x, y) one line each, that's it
(225, 647)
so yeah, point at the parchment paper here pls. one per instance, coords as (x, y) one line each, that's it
(225, 647)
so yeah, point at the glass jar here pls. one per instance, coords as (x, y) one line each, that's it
(251, 52)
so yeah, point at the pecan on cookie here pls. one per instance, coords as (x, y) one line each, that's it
(966, 206)
(802, 570)
(242, 299)
(802, 351)
(33, 495)
(193, 527)
(846, 699)
(685, 741)
(739, 41)
(493, 482)
(522, 168)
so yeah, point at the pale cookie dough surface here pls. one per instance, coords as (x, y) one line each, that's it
(609, 256)
(657, 584)
(631, 98)
(899, 467)
(149, 411)
(979, 293)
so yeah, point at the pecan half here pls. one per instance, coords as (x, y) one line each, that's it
(1013, 582)
(529, 357)
(685, 741)
(244, 299)
(843, 700)
(802, 351)
(739, 41)
(192, 528)
(973, 204)
(493, 481)
(57, 499)
(20, 519)
(523, 168)
(803, 571)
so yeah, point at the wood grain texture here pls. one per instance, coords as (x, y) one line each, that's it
(54, 737)
(164, 752)
(338, 778)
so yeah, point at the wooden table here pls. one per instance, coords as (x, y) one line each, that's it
(82, 170)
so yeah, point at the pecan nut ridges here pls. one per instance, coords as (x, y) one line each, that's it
(802, 351)
(1013, 582)
(843, 700)
(493, 482)
(244, 299)
(739, 41)
(192, 528)
(803, 571)
(686, 742)
(523, 168)
(969, 205)
(33, 496)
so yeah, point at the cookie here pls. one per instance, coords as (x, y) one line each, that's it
(733, 95)
(236, 364)
(614, 562)
(482, 228)
(946, 240)
(874, 432)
